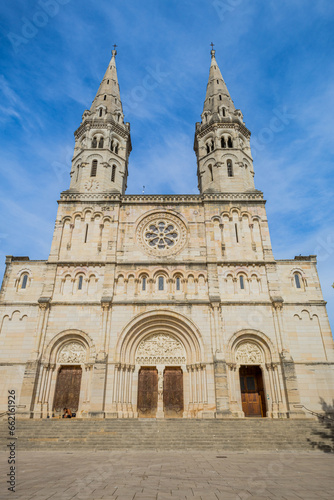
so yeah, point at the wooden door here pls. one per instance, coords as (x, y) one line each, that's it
(251, 391)
(147, 392)
(173, 392)
(67, 392)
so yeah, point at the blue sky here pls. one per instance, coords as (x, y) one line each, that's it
(275, 56)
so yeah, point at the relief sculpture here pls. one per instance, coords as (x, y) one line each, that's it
(249, 354)
(160, 349)
(72, 353)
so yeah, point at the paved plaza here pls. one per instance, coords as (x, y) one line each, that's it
(170, 475)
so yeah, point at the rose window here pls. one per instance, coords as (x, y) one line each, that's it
(161, 235)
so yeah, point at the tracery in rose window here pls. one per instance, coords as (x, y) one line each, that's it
(161, 235)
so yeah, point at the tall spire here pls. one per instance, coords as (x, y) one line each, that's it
(108, 95)
(222, 145)
(217, 94)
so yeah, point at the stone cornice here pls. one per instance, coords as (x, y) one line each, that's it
(202, 130)
(162, 198)
(96, 123)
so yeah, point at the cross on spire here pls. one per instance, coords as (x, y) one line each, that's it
(114, 52)
(212, 45)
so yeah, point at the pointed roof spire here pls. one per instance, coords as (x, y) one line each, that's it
(216, 91)
(108, 94)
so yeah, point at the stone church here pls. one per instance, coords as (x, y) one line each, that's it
(164, 306)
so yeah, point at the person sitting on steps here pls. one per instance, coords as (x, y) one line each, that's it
(67, 413)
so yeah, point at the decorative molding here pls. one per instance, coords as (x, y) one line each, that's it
(161, 349)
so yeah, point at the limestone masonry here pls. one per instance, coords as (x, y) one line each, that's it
(164, 305)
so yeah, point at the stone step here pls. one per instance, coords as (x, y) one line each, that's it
(229, 434)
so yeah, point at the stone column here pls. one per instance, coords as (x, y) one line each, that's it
(160, 408)
(221, 387)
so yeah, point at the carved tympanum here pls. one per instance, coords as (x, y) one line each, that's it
(249, 354)
(160, 349)
(72, 352)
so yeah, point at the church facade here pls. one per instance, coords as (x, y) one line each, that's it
(165, 306)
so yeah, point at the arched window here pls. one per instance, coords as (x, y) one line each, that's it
(93, 169)
(224, 112)
(178, 283)
(207, 148)
(94, 142)
(101, 141)
(229, 168)
(112, 145)
(80, 282)
(217, 81)
(160, 283)
(242, 282)
(24, 281)
(212, 145)
(116, 149)
(143, 283)
(230, 143)
(211, 173)
(105, 97)
(297, 280)
(223, 142)
(113, 173)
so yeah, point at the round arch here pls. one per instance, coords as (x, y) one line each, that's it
(270, 354)
(64, 337)
(161, 321)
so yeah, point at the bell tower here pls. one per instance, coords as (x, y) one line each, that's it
(102, 141)
(222, 141)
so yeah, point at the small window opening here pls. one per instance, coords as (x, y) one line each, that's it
(86, 233)
(224, 112)
(77, 173)
(212, 145)
(220, 97)
(115, 100)
(236, 232)
(230, 143)
(116, 149)
(207, 148)
(178, 283)
(113, 173)
(242, 283)
(24, 281)
(108, 82)
(217, 81)
(211, 173)
(112, 145)
(161, 283)
(101, 141)
(100, 114)
(105, 97)
(297, 281)
(223, 142)
(143, 284)
(93, 169)
(229, 168)
(94, 143)
(80, 282)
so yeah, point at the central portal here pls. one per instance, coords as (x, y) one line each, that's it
(160, 392)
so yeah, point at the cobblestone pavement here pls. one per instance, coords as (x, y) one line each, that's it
(170, 475)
